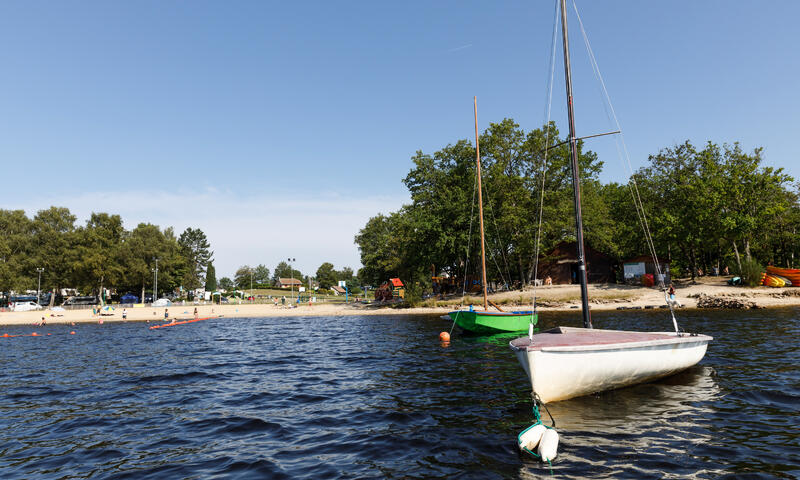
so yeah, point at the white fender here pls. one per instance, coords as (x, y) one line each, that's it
(548, 445)
(530, 439)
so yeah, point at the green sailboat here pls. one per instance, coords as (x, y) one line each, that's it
(484, 321)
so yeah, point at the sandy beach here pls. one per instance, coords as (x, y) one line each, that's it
(549, 298)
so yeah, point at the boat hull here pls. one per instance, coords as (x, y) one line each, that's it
(587, 361)
(492, 322)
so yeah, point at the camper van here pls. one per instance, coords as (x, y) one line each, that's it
(90, 300)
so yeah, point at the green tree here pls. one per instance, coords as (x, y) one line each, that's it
(244, 276)
(211, 278)
(98, 260)
(283, 270)
(196, 250)
(16, 267)
(226, 283)
(261, 274)
(326, 275)
(54, 242)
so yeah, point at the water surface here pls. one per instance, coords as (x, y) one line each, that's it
(379, 397)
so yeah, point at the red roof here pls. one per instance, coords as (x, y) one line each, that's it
(396, 282)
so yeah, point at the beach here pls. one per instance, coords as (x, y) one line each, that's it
(549, 298)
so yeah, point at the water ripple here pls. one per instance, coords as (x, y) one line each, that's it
(378, 397)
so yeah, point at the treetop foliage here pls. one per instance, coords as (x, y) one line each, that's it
(704, 206)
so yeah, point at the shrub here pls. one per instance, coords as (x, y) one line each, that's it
(751, 272)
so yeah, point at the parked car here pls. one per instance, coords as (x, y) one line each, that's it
(26, 306)
(162, 302)
(129, 298)
(90, 300)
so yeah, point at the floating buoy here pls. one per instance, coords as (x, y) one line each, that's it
(548, 445)
(6, 335)
(531, 437)
(444, 336)
(34, 334)
(72, 332)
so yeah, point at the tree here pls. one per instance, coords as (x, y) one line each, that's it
(195, 248)
(98, 261)
(226, 283)
(326, 275)
(284, 271)
(243, 276)
(261, 275)
(16, 268)
(54, 245)
(211, 277)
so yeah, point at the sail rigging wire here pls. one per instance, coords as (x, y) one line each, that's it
(632, 185)
(469, 240)
(497, 241)
(548, 111)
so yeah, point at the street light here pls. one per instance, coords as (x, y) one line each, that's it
(39, 285)
(291, 270)
(155, 282)
(251, 283)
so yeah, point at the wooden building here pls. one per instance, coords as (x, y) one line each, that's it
(561, 265)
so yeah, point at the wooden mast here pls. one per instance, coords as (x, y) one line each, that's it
(480, 207)
(576, 181)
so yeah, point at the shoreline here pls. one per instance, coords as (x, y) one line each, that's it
(711, 291)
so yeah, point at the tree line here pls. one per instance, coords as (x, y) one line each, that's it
(325, 277)
(100, 254)
(709, 206)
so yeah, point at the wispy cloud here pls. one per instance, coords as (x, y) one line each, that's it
(462, 47)
(242, 229)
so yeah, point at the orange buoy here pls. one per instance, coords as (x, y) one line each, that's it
(72, 332)
(34, 334)
(444, 336)
(5, 335)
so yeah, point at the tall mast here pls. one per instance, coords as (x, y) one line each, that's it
(480, 207)
(576, 181)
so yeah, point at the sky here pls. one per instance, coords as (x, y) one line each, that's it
(280, 128)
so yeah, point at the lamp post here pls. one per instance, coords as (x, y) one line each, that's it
(251, 284)
(291, 271)
(39, 285)
(155, 282)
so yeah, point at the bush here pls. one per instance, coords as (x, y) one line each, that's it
(751, 272)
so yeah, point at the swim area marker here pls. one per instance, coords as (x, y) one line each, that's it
(184, 322)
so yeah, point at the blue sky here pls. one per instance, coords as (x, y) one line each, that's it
(279, 128)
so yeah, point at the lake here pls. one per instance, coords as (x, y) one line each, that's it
(380, 397)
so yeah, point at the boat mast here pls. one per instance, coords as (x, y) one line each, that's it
(576, 181)
(480, 207)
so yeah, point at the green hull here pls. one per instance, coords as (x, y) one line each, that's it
(493, 322)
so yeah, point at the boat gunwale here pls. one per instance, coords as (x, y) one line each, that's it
(493, 314)
(672, 338)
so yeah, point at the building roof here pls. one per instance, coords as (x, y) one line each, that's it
(337, 288)
(396, 282)
(290, 281)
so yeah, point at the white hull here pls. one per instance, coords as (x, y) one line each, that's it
(571, 362)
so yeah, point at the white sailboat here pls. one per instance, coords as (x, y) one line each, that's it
(568, 362)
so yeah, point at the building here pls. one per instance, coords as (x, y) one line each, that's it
(289, 282)
(337, 290)
(561, 265)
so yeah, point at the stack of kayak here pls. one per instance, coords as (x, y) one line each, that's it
(781, 277)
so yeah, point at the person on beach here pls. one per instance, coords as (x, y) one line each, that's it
(195, 313)
(166, 314)
(124, 313)
(283, 300)
(671, 292)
